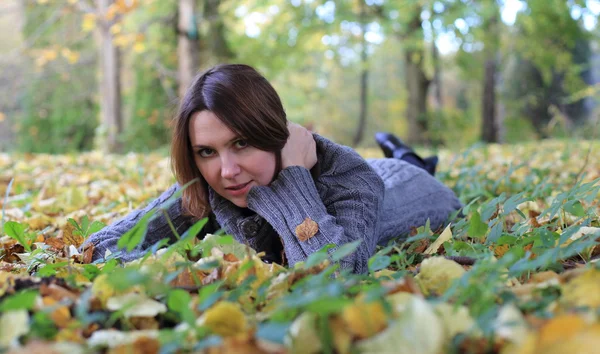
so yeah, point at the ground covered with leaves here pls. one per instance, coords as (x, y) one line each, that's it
(517, 274)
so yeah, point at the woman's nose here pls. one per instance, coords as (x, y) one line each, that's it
(229, 166)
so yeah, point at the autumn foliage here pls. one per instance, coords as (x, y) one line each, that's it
(517, 274)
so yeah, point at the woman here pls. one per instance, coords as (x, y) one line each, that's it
(263, 180)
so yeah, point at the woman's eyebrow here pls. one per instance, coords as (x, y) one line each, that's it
(200, 146)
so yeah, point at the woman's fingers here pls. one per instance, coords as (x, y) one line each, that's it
(300, 149)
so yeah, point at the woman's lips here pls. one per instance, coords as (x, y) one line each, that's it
(238, 190)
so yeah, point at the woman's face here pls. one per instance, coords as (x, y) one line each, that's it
(228, 164)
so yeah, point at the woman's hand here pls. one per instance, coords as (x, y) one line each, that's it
(300, 148)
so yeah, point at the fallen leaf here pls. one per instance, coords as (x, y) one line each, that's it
(188, 279)
(559, 329)
(437, 274)
(69, 236)
(416, 330)
(511, 325)
(112, 338)
(455, 319)
(302, 336)
(225, 319)
(57, 292)
(364, 319)
(13, 324)
(88, 253)
(446, 235)
(141, 323)
(55, 243)
(583, 290)
(60, 315)
(135, 305)
(307, 229)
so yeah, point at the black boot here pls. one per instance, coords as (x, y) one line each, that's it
(387, 143)
(392, 146)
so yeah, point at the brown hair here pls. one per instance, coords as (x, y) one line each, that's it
(246, 103)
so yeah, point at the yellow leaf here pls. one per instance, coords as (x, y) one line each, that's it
(13, 324)
(2, 117)
(139, 47)
(364, 319)
(446, 235)
(302, 337)
(102, 289)
(416, 330)
(60, 315)
(116, 28)
(307, 229)
(70, 238)
(437, 274)
(583, 341)
(111, 12)
(225, 319)
(89, 22)
(583, 290)
(559, 329)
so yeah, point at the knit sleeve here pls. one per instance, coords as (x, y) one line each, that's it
(158, 227)
(348, 211)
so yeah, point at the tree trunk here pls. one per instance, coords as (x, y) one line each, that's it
(364, 75)
(417, 82)
(110, 83)
(490, 125)
(216, 41)
(490, 129)
(187, 45)
(437, 75)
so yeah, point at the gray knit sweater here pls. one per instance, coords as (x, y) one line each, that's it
(349, 198)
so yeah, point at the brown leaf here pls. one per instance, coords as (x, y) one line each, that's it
(187, 279)
(142, 345)
(88, 253)
(69, 236)
(61, 316)
(307, 229)
(143, 323)
(55, 243)
(11, 253)
(405, 285)
(533, 218)
(230, 257)
(500, 251)
(57, 292)
(422, 245)
(528, 248)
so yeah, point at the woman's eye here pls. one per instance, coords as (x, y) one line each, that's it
(205, 152)
(240, 144)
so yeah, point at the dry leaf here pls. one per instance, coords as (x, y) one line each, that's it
(559, 329)
(446, 235)
(307, 229)
(57, 292)
(437, 274)
(583, 290)
(69, 236)
(55, 242)
(406, 285)
(364, 319)
(187, 279)
(61, 316)
(422, 245)
(88, 253)
(225, 319)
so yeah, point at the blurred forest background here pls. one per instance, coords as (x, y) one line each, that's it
(83, 74)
